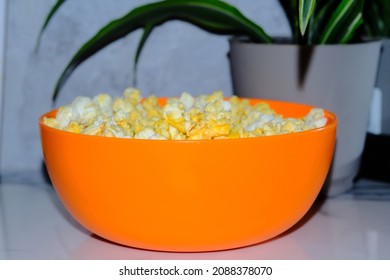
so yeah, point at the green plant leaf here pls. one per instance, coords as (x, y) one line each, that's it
(290, 8)
(147, 31)
(376, 16)
(321, 15)
(306, 8)
(343, 23)
(211, 15)
(386, 18)
(50, 15)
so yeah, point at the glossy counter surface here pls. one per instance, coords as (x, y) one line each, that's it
(35, 225)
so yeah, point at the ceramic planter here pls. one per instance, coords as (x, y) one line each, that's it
(339, 78)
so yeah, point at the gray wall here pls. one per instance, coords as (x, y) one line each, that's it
(177, 57)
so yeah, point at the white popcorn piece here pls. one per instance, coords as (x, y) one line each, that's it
(84, 110)
(315, 118)
(188, 100)
(146, 133)
(226, 106)
(52, 122)
(112, 130)
(104, 102)
(132, 95)
(64, 116)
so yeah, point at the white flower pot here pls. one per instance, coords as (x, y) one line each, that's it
(339, 78)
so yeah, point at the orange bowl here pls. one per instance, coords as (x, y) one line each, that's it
(196, 195)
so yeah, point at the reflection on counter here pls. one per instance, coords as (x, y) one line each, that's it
(35, 225)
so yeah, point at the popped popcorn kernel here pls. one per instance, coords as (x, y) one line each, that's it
(132, 95)
(183, 118)
(84, 110)
(146, 133)
(187, 100)
(104, 102)
(74, 127)
(52, 122)
(64, 116)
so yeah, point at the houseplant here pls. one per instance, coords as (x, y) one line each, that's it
(339, 77)
(313, 24)
(328, 26)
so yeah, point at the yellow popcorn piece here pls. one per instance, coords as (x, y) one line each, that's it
(74, 127)
(148, 133)
(121, 105)
(52, 122)
(114, 131)
(96, 130)
(104, 102)
(289, 125)
(126, 127)
(132, 95)
(151, 107)
(216, 95)
(162, 128)
(187, 117)
(173, 114)
(175, 134)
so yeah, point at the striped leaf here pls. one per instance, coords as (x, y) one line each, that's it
(320, 18)
(343, 23)
(306, 8)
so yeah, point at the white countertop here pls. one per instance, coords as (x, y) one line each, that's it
(35, 225)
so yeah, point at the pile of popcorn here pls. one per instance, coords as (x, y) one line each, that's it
(185, 118)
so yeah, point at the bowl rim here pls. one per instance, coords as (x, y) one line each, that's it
(332, 123)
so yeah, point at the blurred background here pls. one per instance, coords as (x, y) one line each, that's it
(176, 58)
(179, 57)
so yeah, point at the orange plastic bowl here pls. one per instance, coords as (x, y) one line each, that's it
(198, 195)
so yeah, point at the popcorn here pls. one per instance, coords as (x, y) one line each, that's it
(184, 118)
(84, 110)
(315, 118)
(64, 116)
(73, 127)
(145, 133)
(132, 95)
(104, 102)
(52, 122)
(113, 130)
(187, 100)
